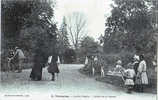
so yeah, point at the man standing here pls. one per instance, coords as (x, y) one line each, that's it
(20, 56)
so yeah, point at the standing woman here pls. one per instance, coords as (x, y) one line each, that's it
(53, 63)
(142, 73)
(136, 65)
(40, 59)
(86, 61)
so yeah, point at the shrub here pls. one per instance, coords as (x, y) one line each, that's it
(3, 62)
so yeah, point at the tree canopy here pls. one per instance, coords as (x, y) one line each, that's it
(63, 40)
(89, 46)
(76, 25)
(30, 25)
(129, 27)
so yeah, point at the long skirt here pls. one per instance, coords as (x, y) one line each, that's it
(129, 82)
(53, 68)
(144, 78)
(36, 73)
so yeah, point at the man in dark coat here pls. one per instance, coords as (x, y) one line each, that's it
(53, 66)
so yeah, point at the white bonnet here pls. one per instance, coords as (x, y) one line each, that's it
(136, 57)
(119, 62)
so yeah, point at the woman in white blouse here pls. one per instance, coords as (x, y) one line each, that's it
(142, 73)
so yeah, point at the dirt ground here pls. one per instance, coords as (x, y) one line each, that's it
(70, 82)
(118, 82)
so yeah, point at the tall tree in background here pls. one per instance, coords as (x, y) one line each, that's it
(129, 27)
(76, 23)
(154, 20)
(154, 12)
(63, 41)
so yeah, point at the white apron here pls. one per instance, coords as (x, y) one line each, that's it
(142, 72)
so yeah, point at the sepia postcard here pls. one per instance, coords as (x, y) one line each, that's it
(78, 49)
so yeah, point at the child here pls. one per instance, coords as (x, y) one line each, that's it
(129, 78)
(10, 60)
(86, 61)
(118, 67)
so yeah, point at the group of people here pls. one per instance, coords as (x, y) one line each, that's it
(92, 62)
(16, 56)
(52, 66)
(135, 76)
(16, 59)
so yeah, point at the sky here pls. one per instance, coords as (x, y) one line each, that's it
(96, 12)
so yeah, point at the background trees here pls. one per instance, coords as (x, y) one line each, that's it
(63, 40)
(76, 25)
(89, 46)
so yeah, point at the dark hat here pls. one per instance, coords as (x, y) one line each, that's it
(141, 56)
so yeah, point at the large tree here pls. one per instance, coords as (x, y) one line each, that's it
(129, 27)
(76, 25)
(154, 12)
(29, 25)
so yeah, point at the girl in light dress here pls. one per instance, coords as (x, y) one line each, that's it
(118, 67)
(129, 78)
(86, 61)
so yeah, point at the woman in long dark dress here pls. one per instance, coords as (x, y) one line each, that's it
(53, 67)
(39, 63)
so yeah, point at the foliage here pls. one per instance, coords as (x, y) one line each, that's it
(69, 55)
(76, 25)
(63, 40)
(28, 24)
(89, 46)
(129, 28)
